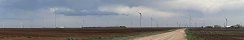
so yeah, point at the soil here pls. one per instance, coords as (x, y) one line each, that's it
(64, 33)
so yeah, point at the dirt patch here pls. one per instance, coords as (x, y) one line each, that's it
(64, 33)
(174, 35)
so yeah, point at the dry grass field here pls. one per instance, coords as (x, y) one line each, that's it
(215, 34)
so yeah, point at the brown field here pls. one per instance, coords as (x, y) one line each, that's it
(217, 34)
(64, 33)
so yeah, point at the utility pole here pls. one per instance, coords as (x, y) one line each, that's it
(3, 28)
(151, 21)
(3, 25)
(21, 25)
(190, 19)
(156, 22)
(131, 21)
(177, 23)
(82, 21)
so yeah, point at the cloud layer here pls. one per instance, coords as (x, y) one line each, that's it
(76, 13)
(147, 12)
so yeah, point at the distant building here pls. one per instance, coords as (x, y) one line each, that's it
(59, 27)
(217, 26)
(209, 27)
(228, 26)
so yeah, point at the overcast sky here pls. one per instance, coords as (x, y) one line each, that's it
(77, 13)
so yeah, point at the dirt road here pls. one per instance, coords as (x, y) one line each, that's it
(178, 34)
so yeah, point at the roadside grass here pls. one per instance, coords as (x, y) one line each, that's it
(127, 36)
(190, 35)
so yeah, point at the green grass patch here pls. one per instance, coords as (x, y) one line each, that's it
(191, 36)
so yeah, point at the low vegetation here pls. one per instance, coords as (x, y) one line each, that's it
(215, 34)
(190, 35)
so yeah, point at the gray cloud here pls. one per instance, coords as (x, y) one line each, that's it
(118, 12)
(73, 12)
(91, 13)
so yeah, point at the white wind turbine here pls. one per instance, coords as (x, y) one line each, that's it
(140, 16)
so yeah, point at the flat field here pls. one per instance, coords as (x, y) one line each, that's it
(216, 34)
(65, 33)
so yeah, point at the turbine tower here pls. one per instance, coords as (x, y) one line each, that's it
(55, 19)
(151, 21)
(21, 25)
(3, 25)
(82, 22)
(140, 16)
(53, 11)
(226, 22)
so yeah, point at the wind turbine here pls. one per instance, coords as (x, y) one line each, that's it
(82, 22)
(53, 11)
(226, 22)
(21, 25)
(3, 25)
(55, 19)
(140, 16)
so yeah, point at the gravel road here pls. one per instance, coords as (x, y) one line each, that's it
(178, 34)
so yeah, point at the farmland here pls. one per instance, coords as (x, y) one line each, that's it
(215, 34)
(64, 33)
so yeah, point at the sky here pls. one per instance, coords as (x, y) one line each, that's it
(102, 13)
